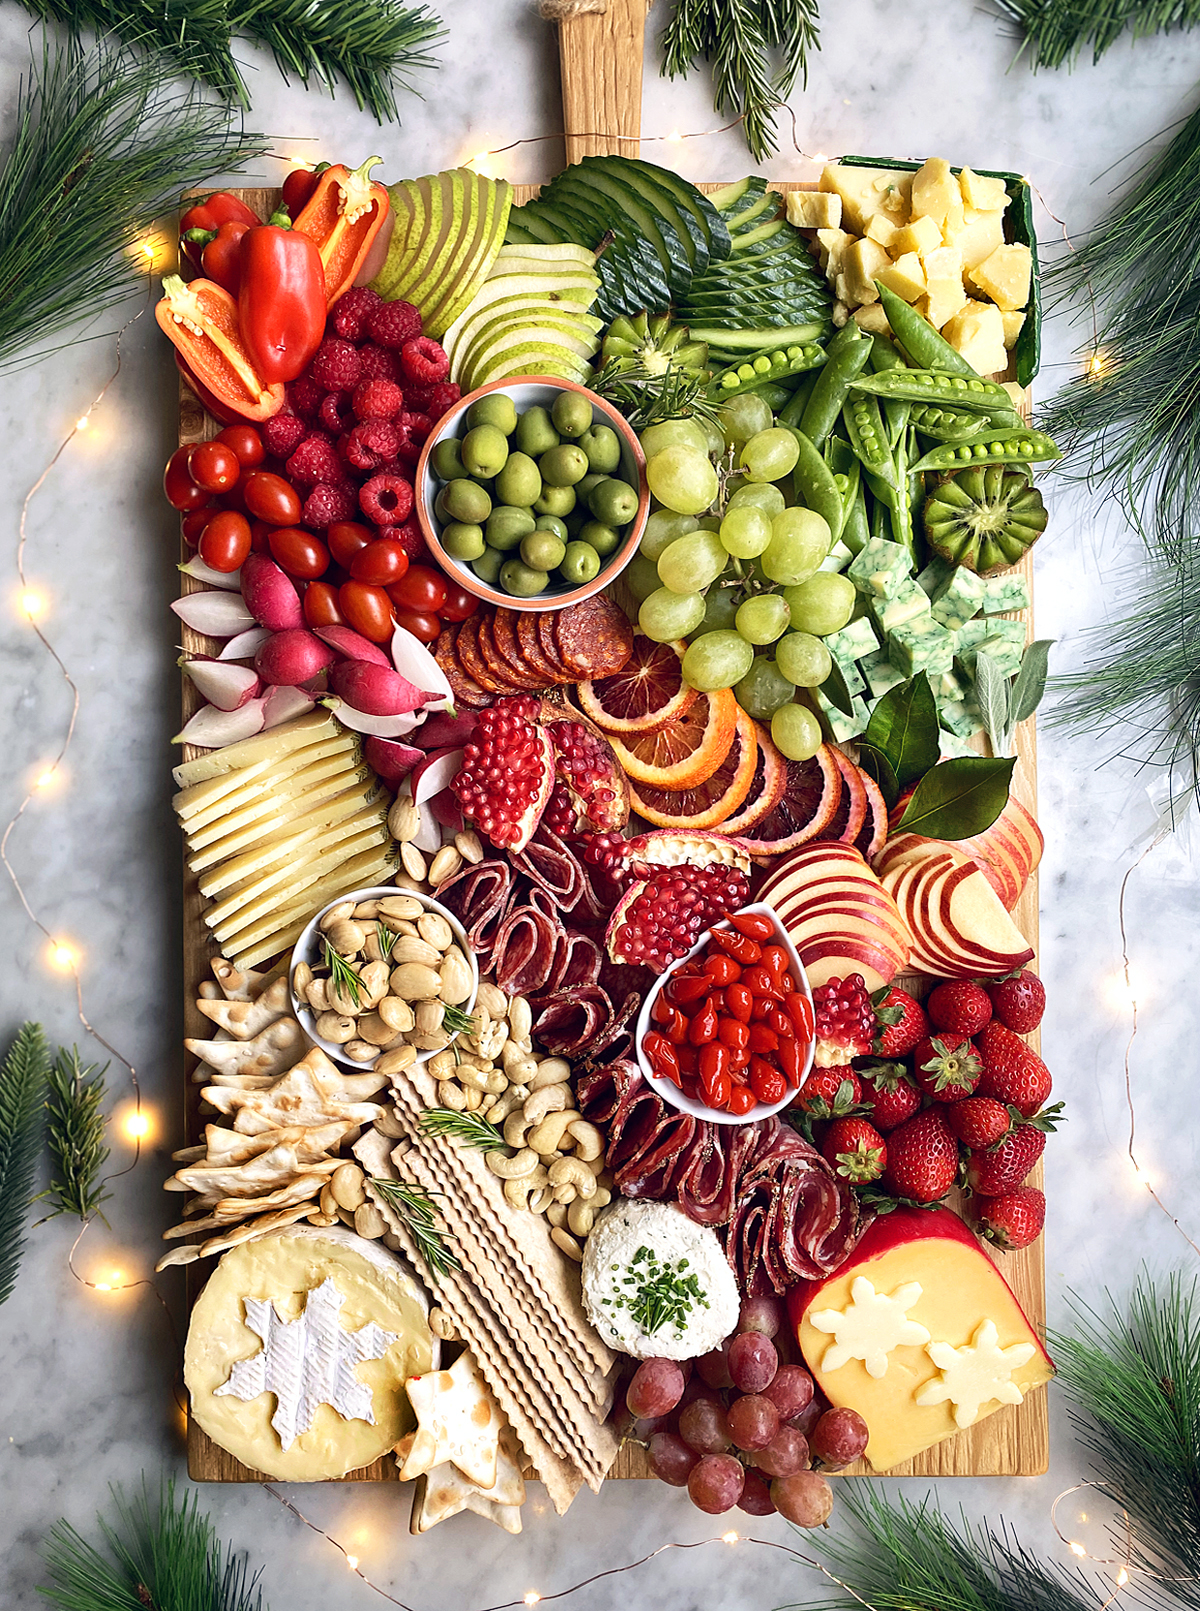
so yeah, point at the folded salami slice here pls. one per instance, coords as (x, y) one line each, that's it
(480, 897)
(617, 1039)
(567, 1024)
(706, 1188)
(793, 1218)
(582, 962)
(523, 954)
(550, 862)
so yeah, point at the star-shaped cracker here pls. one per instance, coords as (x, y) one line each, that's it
(975, 1374)
(870, 1326)
(445, 1492)
(457, 1420)
(313, 1092)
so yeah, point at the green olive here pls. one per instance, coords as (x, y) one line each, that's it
(519, 482)
(542, 550)
(507, 525)
(464, 500)
(487, 566)
(603, 448)
(572, 414)
(462, 541)
(580, 563)
(604, 539)
(554, 524)
(535, 432)
(484, 450)
(555, 501)
(495, 409)
(521, 580)
(446, 461)
(614, 502)
(592, 479)
(561, 467)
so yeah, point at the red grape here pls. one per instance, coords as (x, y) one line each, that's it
(713, 1368)
(753, 1421)
(761, 1314)
(753, 1361)
(655, 1389)
(670, 1459)
(786, 1454)
(791, 1391)
(805, 1499)
(715, 1483)
(703, 1426)
(838, 1437)
(810, 1414)
(756, 1496)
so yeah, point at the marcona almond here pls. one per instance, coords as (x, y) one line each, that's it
(331, 1026)
(400, 906)
(407, 949)
(366, 911)
(564, 1240)
(328, 1202)
(433, 928)
(397, 1014)
(455, 976)
(403, 880)
(404, 819)
(372, 949)
(520, 1018)
(412, 861)
(336, 914)
(374, 979)
(444, 865)
(318, 995)
(346, 936)
(302, 977)
(492, 1000)
(413, 981)
(360, 1051)
(372, 1028)
(369, 1222)
(429, 1015)
(468, 845)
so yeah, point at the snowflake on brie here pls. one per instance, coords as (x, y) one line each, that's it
(870, 1326)
(975, 1374)
(307, 1361)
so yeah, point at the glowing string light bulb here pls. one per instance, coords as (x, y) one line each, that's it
(32, 604)
(63, 956)
(729, 1538)
(532, 1597)
(115, 1282)
(352, 1562)
(136, 1126)
(82, 423)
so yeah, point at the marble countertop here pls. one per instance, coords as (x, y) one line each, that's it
(89, 1379)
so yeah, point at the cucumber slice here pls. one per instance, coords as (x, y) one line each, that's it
(629, 269)
(532, 224)
(609, 187)
(678, 220)
(687, 196)
(726, 199)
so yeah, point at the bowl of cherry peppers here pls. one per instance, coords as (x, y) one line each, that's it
(727, 1033)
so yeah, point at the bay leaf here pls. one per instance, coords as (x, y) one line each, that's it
(836, 690)
(1031, 679)
(876, 764)
(958, 798)
(904, 728)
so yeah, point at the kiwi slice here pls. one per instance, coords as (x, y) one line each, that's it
(655, 344)
(984, 518)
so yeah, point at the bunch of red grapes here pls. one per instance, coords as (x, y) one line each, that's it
(740, 1426)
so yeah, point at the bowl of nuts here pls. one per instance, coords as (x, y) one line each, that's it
(383, 973)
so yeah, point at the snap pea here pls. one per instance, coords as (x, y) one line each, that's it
(894, 491)
(879, 525)
(947, 424)
(868, 435)
(847, 472)
(856, 532)
(846, 357)
(798, 402)
(884, 358)
(1002, 447)
(773, 363)
(971, 393)
(815, 487)
(775, 397)
(926, 347)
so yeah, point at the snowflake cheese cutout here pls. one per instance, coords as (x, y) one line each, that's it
(307, 1361)
(870, 1326)
(975, 1374)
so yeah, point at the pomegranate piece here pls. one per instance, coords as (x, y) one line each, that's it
(845, 1021)
(507, 773)
(675, 847)
(591, 794)
(661, 917)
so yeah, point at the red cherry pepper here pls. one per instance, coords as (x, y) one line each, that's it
(737, 946)
(760, 1009)
(714, 1074)
(800, 1011)
(756, 925)
(689, 1061)
(791, 1061)
(779, 1021)
(762, 983)
(221, 259)
(662, 1010)
(739, 1058)
(722, 970)
(775, 960)
(676, 1030)
(662, 1057)
(733, 1033)
(703, 1026)
(343, 216)
(201, 223)
(684, 991)
(762, 1039)
(741, 1100)
(281, 300)
(738, 1002)
(766, 1082)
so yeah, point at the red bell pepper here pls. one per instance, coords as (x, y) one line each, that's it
(343, 216)
(299, 186)
(200, 223)
(201, 321)
(281, 302)
(221, 259)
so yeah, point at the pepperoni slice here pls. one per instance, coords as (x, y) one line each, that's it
(530, 645)
(465, 689)
(594, 639)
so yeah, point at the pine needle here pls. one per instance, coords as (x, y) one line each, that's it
(75, 1136)
(468, 1129)
(192, 34)
(1056, 31)
(164, 1555)
(415, 1206)
(104, 142)
(22, 1093)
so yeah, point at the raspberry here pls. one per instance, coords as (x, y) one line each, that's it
(394, 323)
(372, 444)
(412, 429)
(377, 400)
(353, 313)
(441, 399)
(411, 539)
(315, 460)
(416, 398)
(424, 362)
(335, 413)
(386, 500)
(378, 363)
(336, 365)
(305, 396)
(329, 503)
(282, 434)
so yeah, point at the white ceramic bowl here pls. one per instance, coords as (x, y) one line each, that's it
(308, 949)
(667, 1089)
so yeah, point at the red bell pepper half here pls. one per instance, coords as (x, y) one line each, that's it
(343, 216)
(201, 321)
(200, 223)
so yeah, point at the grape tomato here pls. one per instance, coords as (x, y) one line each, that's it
(193, 523)
(367, 609)
(214, 466)
(458, 604)
(321, 605)
(269, 497)
(381, 562)
(425, 628)
(260, 537)
(181, 491)
(346, 538)
(422, 589)
(246, 443)
(298, 552)
(225, 541)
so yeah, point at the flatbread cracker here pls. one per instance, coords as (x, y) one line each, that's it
(457, 1420)
(248, 1232)
(245, 1019)
(312, 1092)
(271, 1051)
(445, 1492)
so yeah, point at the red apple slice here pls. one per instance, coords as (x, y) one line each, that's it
(835, 958)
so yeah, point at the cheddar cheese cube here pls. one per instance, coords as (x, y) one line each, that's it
(1005, 275)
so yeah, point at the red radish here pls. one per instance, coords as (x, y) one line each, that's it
(216, 614)
(353, 645)
(246, 645)
(292, 657)
(360, 721)
(200, 572)
(269, 594)
(281, 703)
(415, 662)
(223, 684)
(428, 836)
(212, 729)
(434, 773)
(376, 690)
(391, 761)
(440, 730)
(447, 810)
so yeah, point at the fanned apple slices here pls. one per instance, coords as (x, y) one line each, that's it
(276, 826)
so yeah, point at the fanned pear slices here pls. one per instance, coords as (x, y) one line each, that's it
(532, 315)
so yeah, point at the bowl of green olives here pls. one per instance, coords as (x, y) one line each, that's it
(532, 493)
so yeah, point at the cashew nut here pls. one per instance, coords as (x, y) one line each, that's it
(567, 1243)
(524, 1163)
(451, 1095)
(474, 1079)
(368, 1221)
(511, 1053)
(581, 1216)
(573, 1172)
(565, 1193)
(473, 1099)
(550, 1099)
(327, 1202)
(589, 1141)
(516, 1192)
(508, 1103)
(550, 1071)
(516, 1128)
(442, 1326)
(543, 1200)
(442, 1065)
(556, 1213)
(547, 1136)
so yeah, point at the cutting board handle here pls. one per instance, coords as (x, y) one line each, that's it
(601, 47)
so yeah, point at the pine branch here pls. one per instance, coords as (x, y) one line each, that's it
(1056, 31)
(75, 1135)
(164, 1555)
(741, 77)
(192, 34)
(22, 1092)
(792, 25)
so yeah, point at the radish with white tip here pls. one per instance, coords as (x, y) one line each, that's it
(390, 760)
(446, 811)
(434, 773)
(215, 614)
(270, 594)
(378, 690)
(231, 581)
(281, 703)
(246, 645)
(414, 661)
(442, 730)
(292, 657)
(361, 721)
(212, 729)
(223, 684)
(353, 645)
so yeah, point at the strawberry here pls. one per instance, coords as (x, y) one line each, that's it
(1012, 1072)
(845, 1024)
(891, 1094)
(922, 1158)
(856, 1150)
(979, 1122)
(900, 1020)
(1018, 1000)
(1003, 1168)
(1014, 1220)
(829, 1093)
(946, 1067)
(959, 1005)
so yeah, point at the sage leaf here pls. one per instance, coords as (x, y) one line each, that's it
(904, 727)
(991, 690)
(836, 690)
(1031, 680)
(958, 798)
(876, 764)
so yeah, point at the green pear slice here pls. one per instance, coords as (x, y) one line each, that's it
(558, 252)
(477, 209)
(530, 309)
(565, 368)
(412, 225)
(426, 290)
(531, 349)
(555, 335)
(546, 291)
(497, 194)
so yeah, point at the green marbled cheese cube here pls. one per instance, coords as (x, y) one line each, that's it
(907, 603)
(880, 569)
(838, 557)
(853, 641)
(938, 570)
(836, 723)
(960, 717)
(1003, 640)
(921, 644)
(880, 673)
(953, 748)
(959, 598)
(1002, 593)
(850, 674)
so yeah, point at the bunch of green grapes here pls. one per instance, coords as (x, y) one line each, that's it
(743, 586)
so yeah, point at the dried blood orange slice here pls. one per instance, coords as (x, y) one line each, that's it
(846, 823)
(687, 750)
(646, 694)
(706, 804)
(811, 794)
(766, 786)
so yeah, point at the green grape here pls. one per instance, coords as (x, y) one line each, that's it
(716, 660)
(770, 455)
(802, 657)
(720, 610)
(800, 540)
(742, 417)
(674, 433)
(745, 531)
(823, 604)
(642, 577)
(796, 732)
(763, 618)
(691, 563)
(682, 479)
(763, 689)
(665, 616)
(662, 528)
(759, 495)
(715, 437)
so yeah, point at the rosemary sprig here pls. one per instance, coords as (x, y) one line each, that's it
(456, 1020)
(414, 1205)
(1056, 31)
(22, 1091)
(468, 1129)
(645, 398)
(387, 939)
(75, 1135)
(342, 975)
